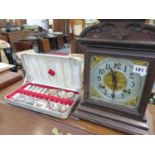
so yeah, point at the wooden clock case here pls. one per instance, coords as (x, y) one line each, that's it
(118, 38)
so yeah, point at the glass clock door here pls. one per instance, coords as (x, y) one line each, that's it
(118, 81)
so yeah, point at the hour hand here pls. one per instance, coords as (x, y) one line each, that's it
(114, 81)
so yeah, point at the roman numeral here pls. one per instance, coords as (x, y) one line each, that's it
(117, 65)
(101, 71)
(107, 66)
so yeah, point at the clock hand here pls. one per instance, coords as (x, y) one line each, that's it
(114, 82)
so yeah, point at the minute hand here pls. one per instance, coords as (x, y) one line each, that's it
(114, 81)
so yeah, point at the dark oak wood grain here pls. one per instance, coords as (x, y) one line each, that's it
(7, 78)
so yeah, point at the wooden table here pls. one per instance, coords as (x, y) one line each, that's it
(15, 120)
(8, 77)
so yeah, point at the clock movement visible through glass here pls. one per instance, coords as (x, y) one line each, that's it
(117, 81)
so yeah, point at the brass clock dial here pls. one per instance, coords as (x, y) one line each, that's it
(117, 80)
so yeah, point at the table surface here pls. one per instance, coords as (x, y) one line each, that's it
(17, 121)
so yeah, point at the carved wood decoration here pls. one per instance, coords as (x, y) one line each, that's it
(124, 31)
(131, 39)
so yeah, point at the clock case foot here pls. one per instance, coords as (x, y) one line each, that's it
(111, 120)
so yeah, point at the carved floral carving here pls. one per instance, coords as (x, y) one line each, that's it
(119, 31)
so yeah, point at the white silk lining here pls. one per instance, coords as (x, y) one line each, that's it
(67, 69)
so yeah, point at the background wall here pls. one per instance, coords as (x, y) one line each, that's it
(50, 21)
(41, 22)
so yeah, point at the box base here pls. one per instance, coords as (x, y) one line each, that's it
(43, 101)
(114, 121)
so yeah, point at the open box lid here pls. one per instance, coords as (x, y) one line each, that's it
(59, 71)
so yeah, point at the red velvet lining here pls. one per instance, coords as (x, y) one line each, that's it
(59, 100)
(17, 91)
(12, 94)
(51, 72)
(44, 86)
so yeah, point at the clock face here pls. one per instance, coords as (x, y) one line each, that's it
(117, 80)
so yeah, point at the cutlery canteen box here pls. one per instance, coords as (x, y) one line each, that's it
(52, 84)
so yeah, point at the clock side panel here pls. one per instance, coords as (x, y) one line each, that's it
(86, 75)
(147, 87)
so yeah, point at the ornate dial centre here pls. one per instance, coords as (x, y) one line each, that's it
(121, 80)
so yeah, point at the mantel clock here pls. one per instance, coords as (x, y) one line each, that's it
(118, 74)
